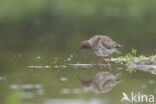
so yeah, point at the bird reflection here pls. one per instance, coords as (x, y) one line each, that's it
(102, 82)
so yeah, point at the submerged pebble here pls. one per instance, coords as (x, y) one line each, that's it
(148, 65)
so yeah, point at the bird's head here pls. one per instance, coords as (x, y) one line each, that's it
(85, 45)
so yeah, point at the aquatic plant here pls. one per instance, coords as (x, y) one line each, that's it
(143, 63)
(132, 56)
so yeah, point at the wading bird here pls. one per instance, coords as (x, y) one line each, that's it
(102, 46)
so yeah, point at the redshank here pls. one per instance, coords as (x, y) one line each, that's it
(102, 46)
(102, 82)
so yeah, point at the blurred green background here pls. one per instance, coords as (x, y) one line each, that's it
(47, 32)
(131, 22)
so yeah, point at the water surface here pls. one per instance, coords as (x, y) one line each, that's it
(46, 71)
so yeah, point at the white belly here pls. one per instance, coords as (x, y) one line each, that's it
(100, 50)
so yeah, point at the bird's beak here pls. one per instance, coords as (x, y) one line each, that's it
(78, 50)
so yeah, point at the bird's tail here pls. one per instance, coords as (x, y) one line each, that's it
(118, 45)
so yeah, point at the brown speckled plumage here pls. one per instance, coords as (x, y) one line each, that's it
(102, 82)
(101, 45)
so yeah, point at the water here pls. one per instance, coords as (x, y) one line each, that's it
(38, 42)
(47, 72)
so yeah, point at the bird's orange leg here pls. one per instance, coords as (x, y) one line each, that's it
(109, 64)
(100, 64)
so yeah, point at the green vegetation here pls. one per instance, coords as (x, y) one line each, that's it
(132, 56)
(132, 59)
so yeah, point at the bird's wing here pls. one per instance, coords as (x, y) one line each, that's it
(109, 45)
(108, 42)
(107, 83)
(94, 40)
(105, 38)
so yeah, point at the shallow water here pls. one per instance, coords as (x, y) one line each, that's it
(47, 73)
(39, 39)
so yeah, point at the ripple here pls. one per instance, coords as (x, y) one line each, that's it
(73, 91)
(3, 78)
(77, 101)
(151, 82)
(26, 86)
(25, 91)
(82, 65)
(63, 79)
(39, 67)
